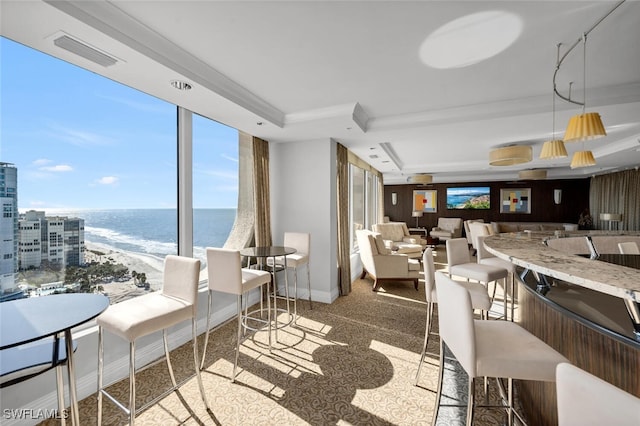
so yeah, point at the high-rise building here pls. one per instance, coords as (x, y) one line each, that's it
(57, 241)
(8, 228)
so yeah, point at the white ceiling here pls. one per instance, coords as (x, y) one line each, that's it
(352, 71)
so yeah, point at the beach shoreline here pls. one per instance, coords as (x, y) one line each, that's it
(150, 265)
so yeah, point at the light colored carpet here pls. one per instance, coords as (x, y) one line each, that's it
(351, 362)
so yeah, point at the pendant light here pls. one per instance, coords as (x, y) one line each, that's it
(555, 147)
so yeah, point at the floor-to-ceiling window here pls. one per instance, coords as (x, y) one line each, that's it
(97, 178)
(363, 200)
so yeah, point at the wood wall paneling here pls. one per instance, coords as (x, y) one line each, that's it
(575, 198)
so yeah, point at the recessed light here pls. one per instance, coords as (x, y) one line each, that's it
(180, 85)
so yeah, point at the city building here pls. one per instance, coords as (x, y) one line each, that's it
(8, 229)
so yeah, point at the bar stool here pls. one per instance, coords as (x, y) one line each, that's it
(302, 243)
(460, 264)
(587, 400)
(485, 258)
(479, 299)
(629, 247)
(500, 349)
(226, 275)
(146, 314)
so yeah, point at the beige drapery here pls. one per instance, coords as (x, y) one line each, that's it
(616, 193)
(262, 203)
(344, 246)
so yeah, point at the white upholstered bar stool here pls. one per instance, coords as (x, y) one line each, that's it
(302, 243)
(485, 258)
(226, 275)
(143, 315)
(460, 264)
(500, 349)
(479, 299)
(629, 247)
(587, 400)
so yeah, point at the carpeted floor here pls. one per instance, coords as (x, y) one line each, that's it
(351, 362)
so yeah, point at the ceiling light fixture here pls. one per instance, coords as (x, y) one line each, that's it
(555, 147)
(583, 159)
(510, 155)
(422, 179)
(585, 126)
(533, 174)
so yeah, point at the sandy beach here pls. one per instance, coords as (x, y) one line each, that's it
(139, 262)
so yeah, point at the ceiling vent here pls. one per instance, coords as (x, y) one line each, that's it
(86, 51)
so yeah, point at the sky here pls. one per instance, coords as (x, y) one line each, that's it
(81, 141)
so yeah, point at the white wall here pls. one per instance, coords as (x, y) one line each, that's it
(303, 199)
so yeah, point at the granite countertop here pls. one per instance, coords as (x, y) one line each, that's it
(527, 249)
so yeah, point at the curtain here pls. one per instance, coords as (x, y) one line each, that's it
(262, 200)
(616, 193)
(380, 217)
(344, 249)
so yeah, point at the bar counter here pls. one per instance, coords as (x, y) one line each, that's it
(583, 313)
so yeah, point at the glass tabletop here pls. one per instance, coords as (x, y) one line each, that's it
(26, 320)
(267, 251)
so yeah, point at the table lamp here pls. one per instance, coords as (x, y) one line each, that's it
(417, 214)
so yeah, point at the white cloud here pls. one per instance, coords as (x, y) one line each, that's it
(57, 168)
(107, 180)
(41, 162)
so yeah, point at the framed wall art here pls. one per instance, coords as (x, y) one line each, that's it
(515, 200)
(425, 200)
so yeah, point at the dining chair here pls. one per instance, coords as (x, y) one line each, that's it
(23, 362)
(302, 243)
(479, 299)
(226, 275)
(586, 400)
(146, 314)
(484, 348)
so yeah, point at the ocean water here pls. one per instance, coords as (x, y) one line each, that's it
(153, 231)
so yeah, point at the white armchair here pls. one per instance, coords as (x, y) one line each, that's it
(447, 229)
(381, 264)
(397, 238)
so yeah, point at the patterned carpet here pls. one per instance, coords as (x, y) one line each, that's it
(351, 362)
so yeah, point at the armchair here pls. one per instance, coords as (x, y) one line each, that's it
(381, 264)
(396, 237)
(448, 228)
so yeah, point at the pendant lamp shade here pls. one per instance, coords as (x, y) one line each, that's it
(582, 159)
(553, 149)
(584, 127)
(510, 155)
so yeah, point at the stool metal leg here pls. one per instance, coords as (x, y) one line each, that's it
(206, 335)
(194, 333)
(239, 336)
(470, 401)
(440, 378)
(100, 371)
(166, 354)
(132, 383)
(427, 331)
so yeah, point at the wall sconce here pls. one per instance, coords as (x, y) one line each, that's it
(557, 196)
(394, 198)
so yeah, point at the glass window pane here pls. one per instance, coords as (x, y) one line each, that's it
(96, 170)
(215, 183)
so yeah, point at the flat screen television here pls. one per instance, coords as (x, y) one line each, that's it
(469, 198)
